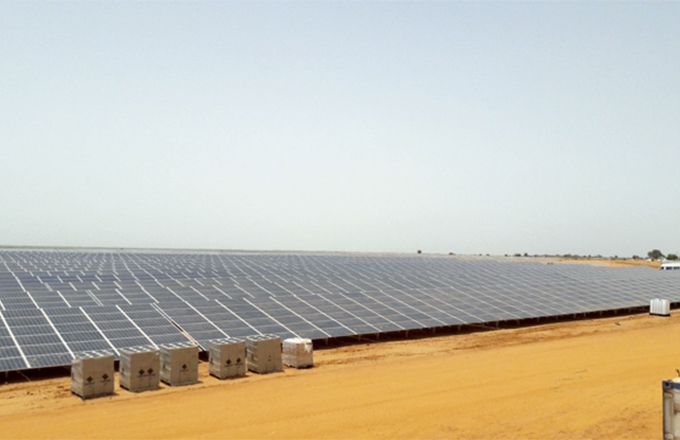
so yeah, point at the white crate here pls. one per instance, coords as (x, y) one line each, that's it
(140, 368)
(660, 307)
(264, 354)
(227, 357)
(179, 363)
(297, 353)
(92, 374)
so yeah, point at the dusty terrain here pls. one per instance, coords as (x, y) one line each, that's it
(613, 262)
(596, 379)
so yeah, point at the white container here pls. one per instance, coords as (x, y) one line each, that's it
(179, 363)
(297, 353)
(92, 374)
(227, 357)
(140, 368)
(660, 307)
(671, 408)
(264, 354)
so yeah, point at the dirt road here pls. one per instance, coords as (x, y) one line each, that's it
(578, 380)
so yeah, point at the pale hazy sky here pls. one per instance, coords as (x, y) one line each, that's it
(470, 127)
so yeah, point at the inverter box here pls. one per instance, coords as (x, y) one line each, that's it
(92, 374)
(179, 363)
(140, 368)
(227, 357)
(264, 354)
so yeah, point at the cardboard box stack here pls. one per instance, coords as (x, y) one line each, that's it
(140, 368)
(297, 353)
(227, 357)
(264, 353)
(179, 363)
(92, 374)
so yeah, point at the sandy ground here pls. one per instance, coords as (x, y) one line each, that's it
(612, 262)
(596, 379)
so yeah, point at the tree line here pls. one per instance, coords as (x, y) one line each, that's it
(654, 254)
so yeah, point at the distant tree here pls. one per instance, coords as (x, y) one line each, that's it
(451, 253)
(655, 254)
(419, 252)
(517, 255)
(672, 257)
(526, 254)
(636, 257)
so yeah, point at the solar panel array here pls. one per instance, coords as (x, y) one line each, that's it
(54, 304)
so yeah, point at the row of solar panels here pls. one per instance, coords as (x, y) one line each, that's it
(35, 338)
(45, 337)
(26, 266)
(53, 304)
(14, 295)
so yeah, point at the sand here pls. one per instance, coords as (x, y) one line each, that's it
(597, 379)
(617, 262)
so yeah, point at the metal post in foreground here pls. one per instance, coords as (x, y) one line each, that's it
(671, 409)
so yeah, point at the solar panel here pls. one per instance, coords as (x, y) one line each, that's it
(77, 330)
(193, 322)
(11, 358)
(36, 338)
(56, 303)
(118, 330)
(153, 324)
